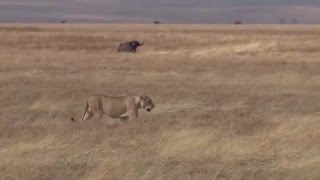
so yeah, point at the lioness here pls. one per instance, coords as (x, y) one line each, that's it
(123, 107)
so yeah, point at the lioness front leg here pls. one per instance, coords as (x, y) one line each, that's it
(133, 115)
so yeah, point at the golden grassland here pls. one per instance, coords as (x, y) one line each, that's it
(232, 102)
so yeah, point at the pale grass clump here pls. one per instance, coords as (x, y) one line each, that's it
(232, 102)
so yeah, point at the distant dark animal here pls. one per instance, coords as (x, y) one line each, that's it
(156, 22)
(63, 21)
(130, 46)
(238, 22)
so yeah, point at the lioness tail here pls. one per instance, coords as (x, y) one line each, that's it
(85, 111)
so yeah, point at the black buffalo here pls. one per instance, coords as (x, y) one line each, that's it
(130, 46)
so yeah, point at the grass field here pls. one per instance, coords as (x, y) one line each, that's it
(232, 102)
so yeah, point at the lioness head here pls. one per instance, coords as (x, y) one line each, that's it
(146, 103)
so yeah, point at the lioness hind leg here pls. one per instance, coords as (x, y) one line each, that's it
(98, 115)
(124, 118)
(87, 116)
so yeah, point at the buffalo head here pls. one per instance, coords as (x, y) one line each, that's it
(135, 43)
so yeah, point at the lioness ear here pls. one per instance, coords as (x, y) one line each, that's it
(142, 97)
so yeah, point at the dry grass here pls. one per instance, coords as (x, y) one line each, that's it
(232, 102)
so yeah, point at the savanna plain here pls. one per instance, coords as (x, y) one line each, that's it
(232, 102)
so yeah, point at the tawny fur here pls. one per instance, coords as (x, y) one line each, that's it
(123, 107)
